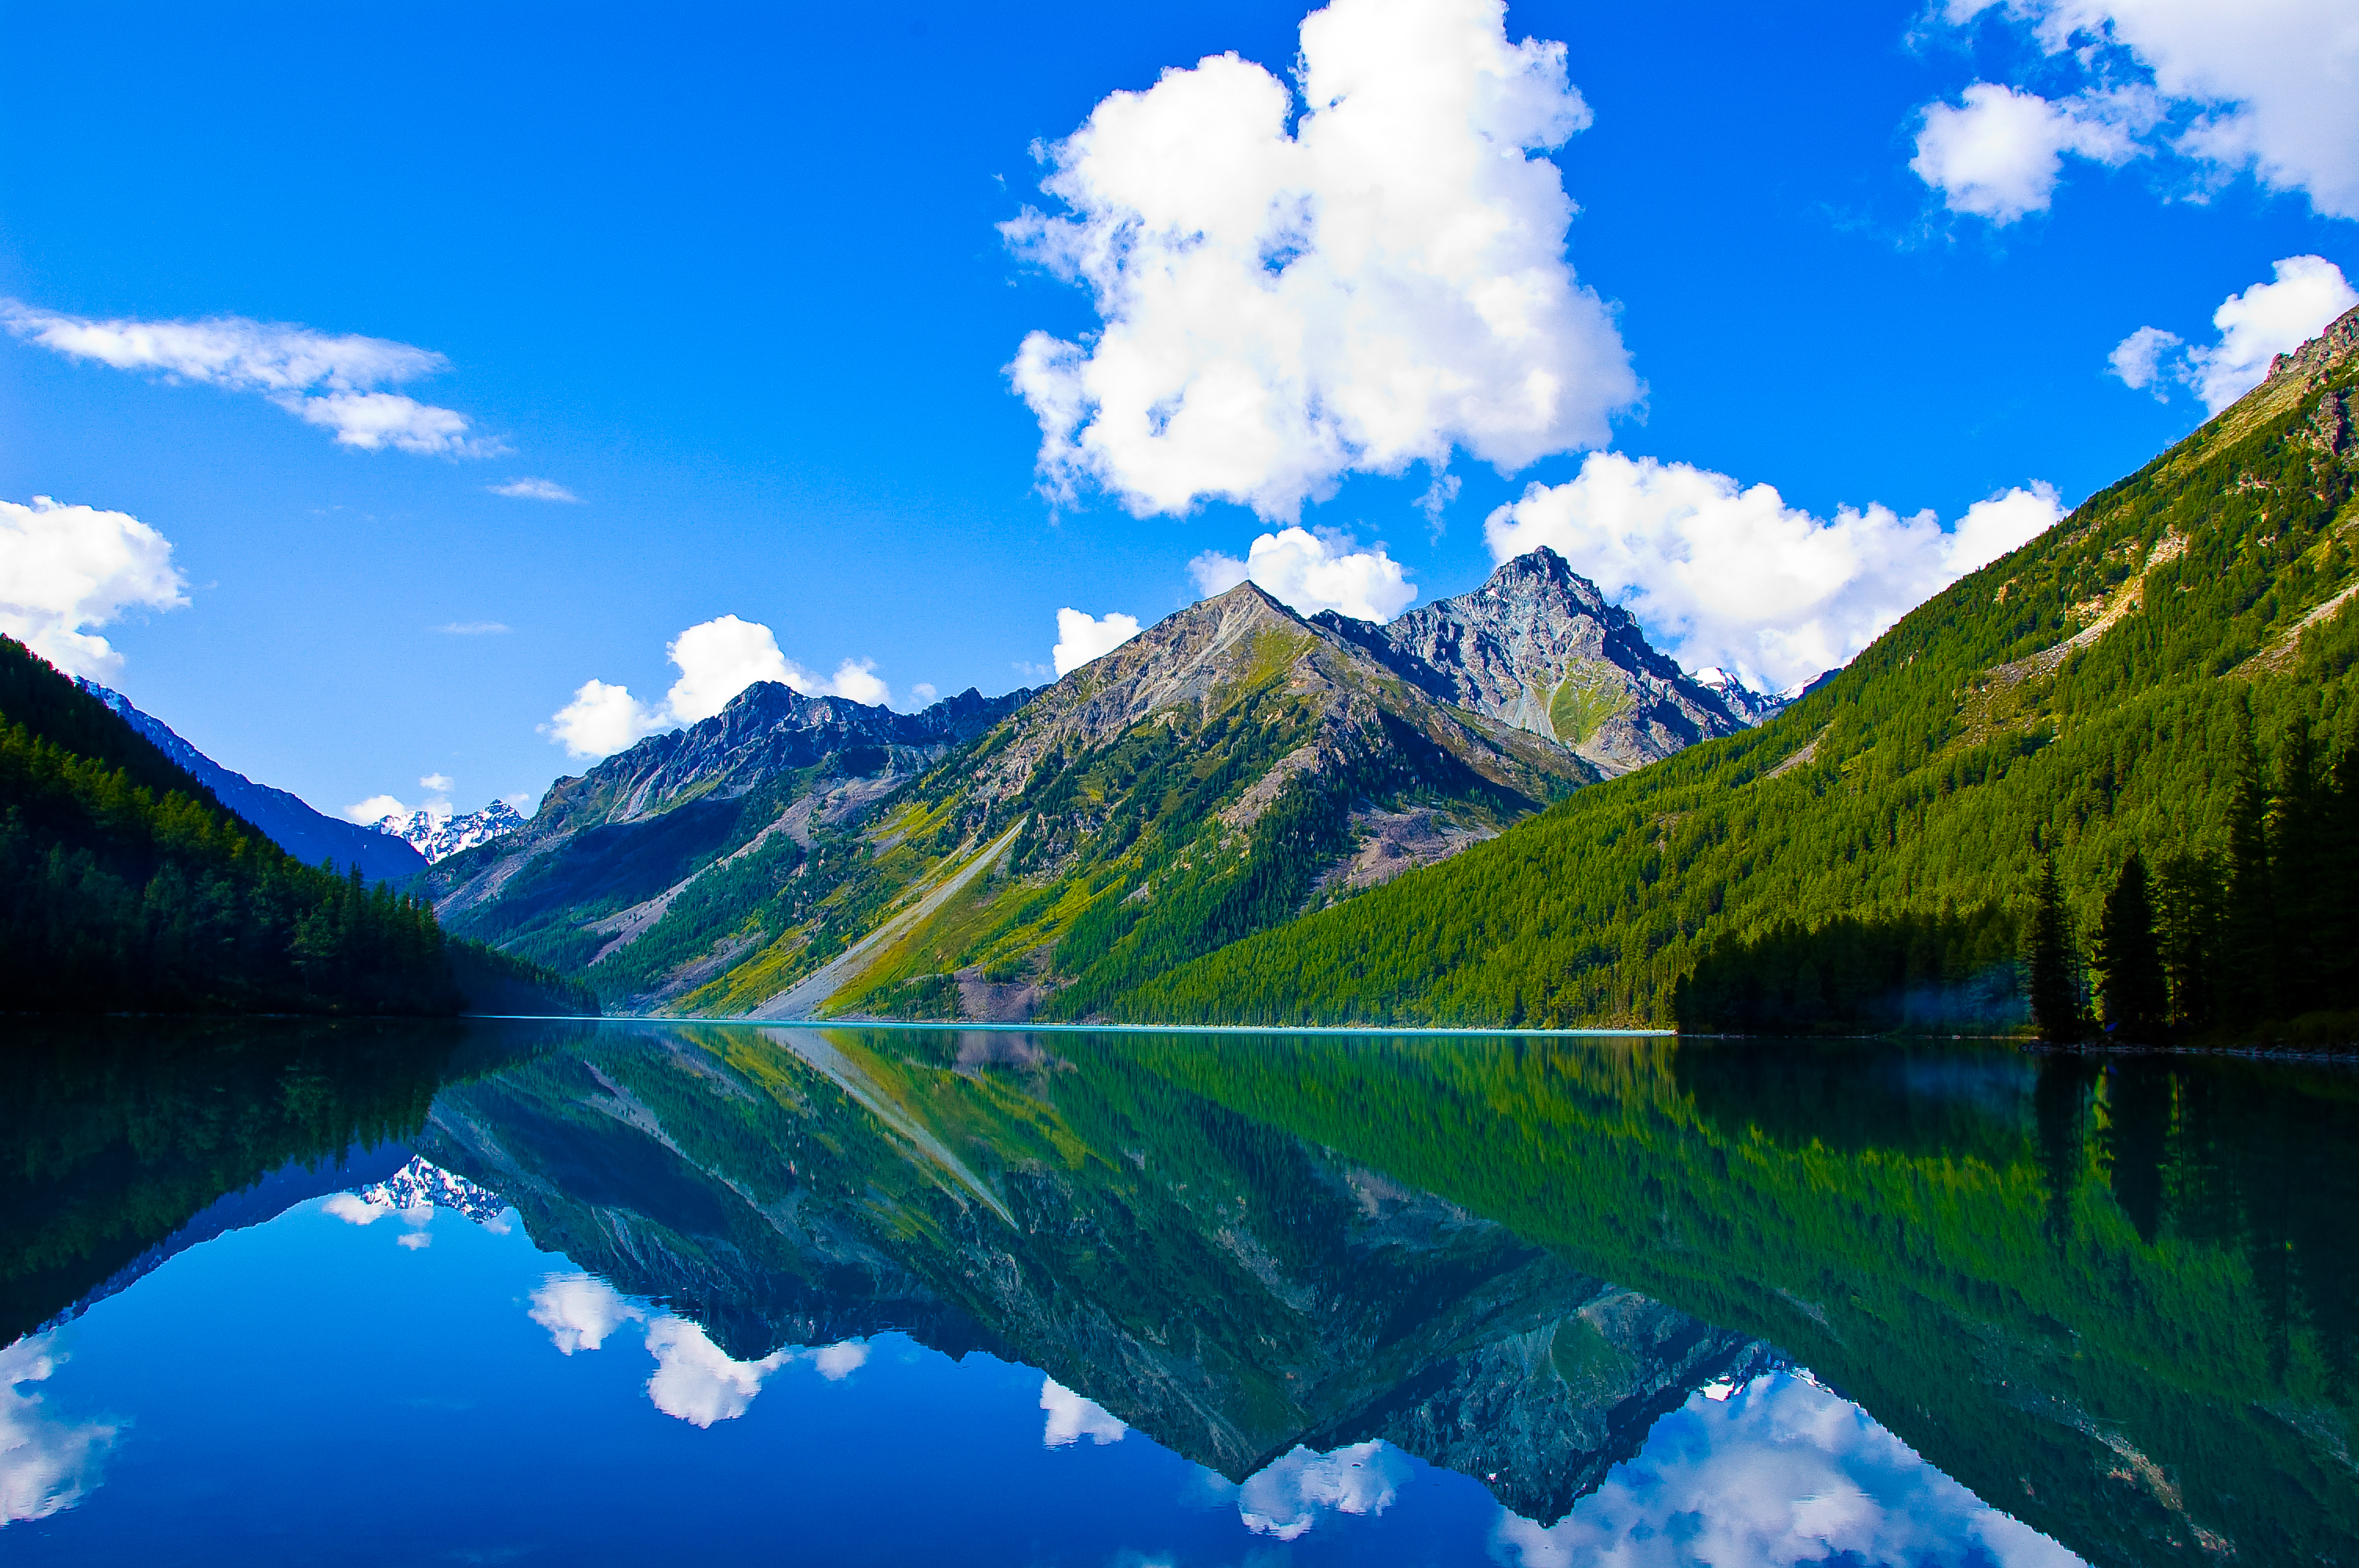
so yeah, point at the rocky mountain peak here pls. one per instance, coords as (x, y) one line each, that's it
(1539, 647)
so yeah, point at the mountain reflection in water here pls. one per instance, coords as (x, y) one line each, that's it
(1727, 1302)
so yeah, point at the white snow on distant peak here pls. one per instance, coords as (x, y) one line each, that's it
(438, 837)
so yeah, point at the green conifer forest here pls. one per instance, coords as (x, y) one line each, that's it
(125, 887)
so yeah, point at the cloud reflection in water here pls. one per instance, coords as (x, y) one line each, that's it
(1781, 1472)
(694, 1379)
(1285, 1498)
(580, 1310)
(1072, 1418)
(47, 1462)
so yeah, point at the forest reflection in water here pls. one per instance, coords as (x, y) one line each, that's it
(1916, 1302)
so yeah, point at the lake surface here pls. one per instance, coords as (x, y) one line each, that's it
(624, 1292)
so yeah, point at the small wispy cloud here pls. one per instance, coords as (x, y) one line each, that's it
(472, 628)
(330, 381)
(534, 489)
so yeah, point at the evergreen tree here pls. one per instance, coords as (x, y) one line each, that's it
(2337, 914)
(2297, 887)
(2055, 967)
(2137, 995)
(2188, 921)
(2248, 933)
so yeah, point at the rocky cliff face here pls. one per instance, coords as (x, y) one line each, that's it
(1537, 647)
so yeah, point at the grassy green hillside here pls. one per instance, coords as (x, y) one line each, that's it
(2136, 680)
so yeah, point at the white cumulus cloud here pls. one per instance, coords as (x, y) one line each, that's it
(65, 570)
(1721, 574)
(580, 1310)
(2256, 326)
(1081, 637)
(1286, 1497)
(1311, 572)
(533, 490)
(603, 718)
(1781, 1472)
(1383, 285)
(334, 382)
(1072, 1418)
(46, 1462)
(717, 659)
(1998, 153)
(2264, 322)
(2266, 86)
(838, 1361)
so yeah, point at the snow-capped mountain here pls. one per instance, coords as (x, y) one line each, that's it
(438, 837)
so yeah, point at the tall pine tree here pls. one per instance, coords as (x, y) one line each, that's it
(2055, 964)
(2247, 974)
(2136, 997)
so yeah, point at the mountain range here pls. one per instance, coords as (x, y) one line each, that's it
(1041, 851)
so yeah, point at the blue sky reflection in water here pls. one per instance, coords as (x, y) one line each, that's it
(310, 1389)
(633, 1293)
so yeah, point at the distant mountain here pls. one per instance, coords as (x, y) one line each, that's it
(1539, 647)
(2171, 671)
(286, 820)
(734, 804)
(1041, 852)
(439, 837)
(1750, 707)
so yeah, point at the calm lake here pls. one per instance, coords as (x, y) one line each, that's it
(624, 1292)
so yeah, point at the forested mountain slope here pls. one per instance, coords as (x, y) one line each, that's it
(126, 886)
(1201, 782)
(2168, 671)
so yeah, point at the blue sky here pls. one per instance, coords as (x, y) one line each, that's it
(744, 283)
